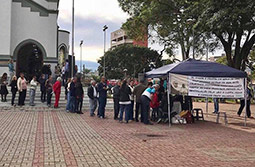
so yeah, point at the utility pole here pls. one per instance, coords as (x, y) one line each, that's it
(72, 60)
(104, 29)
(81, 56)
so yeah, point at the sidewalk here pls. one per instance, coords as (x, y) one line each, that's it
(47, 137)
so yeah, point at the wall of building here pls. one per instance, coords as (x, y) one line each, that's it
(5, 28)
(29, 25)
(63, 39)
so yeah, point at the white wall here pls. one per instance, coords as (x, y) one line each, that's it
(29, 25)
(5, 27)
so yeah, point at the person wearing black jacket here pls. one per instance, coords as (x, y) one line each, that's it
(116, 99)
(79, 96)
(14, 89)
(73, 95)
(92, 94)
(125, 101)
(42, 81)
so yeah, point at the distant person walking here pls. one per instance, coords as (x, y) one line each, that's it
(125, 101)
(14, 89)
(116, 99)
(48, 85)
(57, 91)
(42, 81)
(11, 70)
(33, 86)
(79, 96)
(242, 104)
(216, 105)
(138, 90)
(22, 88)
(92, 94)
(3, 89)
(102, 90)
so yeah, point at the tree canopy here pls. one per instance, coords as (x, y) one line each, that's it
(133, 58)
(202, 23)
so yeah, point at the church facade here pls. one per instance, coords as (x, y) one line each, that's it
(29, 34)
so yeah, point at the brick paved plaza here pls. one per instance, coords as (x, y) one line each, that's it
(42, 137)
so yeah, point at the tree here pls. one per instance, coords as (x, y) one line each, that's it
(169, 21)
(233, 23)
(134, 59)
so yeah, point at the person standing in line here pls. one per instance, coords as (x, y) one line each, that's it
(11, 70)
(63, 74)
(216, 105)
(138, 90)
(116, 99)
(67, 87)
(131, 113)
(155, 103)
(3, 89)
(57, 91)
(72, 95)
(79, 96)
(92, 94)
(75, 70)
(66, 70)
(22, 88)
(42, 81)
(48, 85)
(14, 89)
(33, 85)
(125, 101)
(145, 100)
(102, 90)
(242, 103)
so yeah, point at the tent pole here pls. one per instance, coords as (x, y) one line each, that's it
(206, 99)
(245, 98)
(169, 100)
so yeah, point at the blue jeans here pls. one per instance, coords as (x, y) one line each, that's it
(72, 103)
(68, 102)
(216, 105)
(32, 97)
(92, 105)
(101, 108)
(125, 108)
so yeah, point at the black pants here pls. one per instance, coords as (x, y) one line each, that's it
(22, 97)
(49, 95)
(138, 107)
(13, 97)
(242, 105)
(78, 105)
(116, 107)
(3, 97)
(145, 109)
(43, 96)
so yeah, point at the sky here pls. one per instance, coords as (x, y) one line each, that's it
(90, 17)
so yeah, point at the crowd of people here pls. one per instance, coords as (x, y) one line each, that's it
(126, 97)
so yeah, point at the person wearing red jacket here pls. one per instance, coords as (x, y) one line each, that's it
(57, 91)
(154, 104)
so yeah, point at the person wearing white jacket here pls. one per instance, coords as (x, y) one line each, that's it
(22, 88)
(33, 86)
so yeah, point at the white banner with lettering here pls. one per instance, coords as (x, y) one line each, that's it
(215, 87)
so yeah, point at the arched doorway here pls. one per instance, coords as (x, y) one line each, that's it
(61, 55)
(29, 59)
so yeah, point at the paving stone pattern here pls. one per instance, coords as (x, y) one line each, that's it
(41, 136)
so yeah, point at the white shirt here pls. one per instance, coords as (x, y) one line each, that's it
(94, 91)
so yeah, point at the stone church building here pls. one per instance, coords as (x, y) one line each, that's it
(29, 34)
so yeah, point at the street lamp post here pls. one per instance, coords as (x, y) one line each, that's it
(104, 29)
(81, 56)
(72, 60)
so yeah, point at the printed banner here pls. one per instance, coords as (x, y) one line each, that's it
(208, 86)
